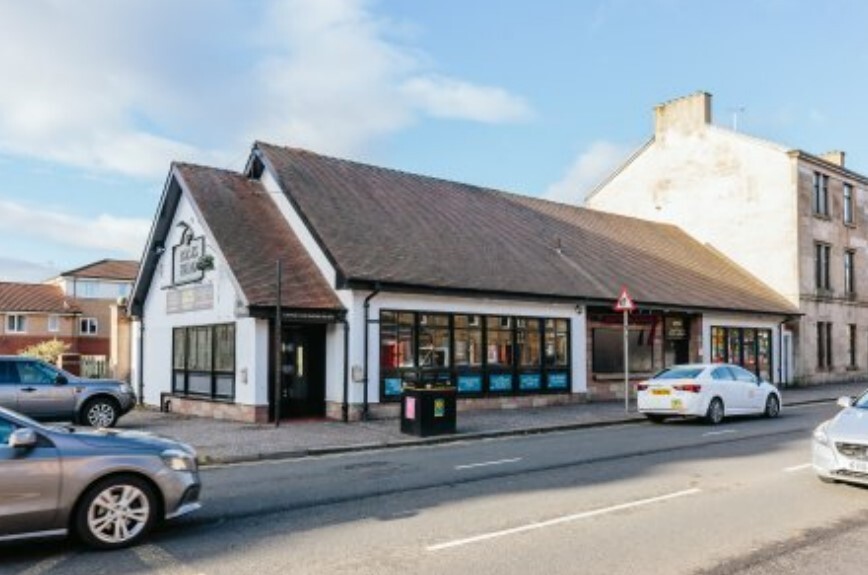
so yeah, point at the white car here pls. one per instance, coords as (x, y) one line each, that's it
(840, 446)
(709, 390)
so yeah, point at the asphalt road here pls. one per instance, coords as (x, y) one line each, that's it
(676, 498)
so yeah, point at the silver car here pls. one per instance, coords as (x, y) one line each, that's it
(42, 391)
(840, 446)
(108, 487)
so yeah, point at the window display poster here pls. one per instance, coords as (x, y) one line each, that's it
(530, 381)
(557, 381)
(393, 386)
(469, 383)
(500, 382)
(409, 408)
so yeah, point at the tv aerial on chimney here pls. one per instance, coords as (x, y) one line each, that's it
(735, 114)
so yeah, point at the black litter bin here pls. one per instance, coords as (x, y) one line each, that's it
(428, 410)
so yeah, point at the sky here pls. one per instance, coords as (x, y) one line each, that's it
(542, 97)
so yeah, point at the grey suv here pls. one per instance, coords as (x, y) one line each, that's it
(42, 391)
(109, 487)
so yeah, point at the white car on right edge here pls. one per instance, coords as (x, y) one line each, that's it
(840, 446)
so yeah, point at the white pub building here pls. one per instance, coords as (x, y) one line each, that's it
(388, 277)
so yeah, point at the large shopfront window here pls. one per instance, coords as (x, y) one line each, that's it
(751, 348)
(608, 350)
(203, 362)
(478, 354)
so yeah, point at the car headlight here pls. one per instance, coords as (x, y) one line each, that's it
(126, 388)
(178, 460)
(820, 435)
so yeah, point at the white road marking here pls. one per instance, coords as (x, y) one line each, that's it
(44, 566)
(797, 467)
(559, 520)
(163, 562)
(487, 463)
(721, 432)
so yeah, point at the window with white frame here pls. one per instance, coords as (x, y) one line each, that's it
(87, 289)
(88, 326)
(16, 323)
(54, 323)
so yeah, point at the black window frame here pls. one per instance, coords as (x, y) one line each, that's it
(729, 335)
(853, 346)
(824, 345)
(553, 378)
(820, 197)
(822, 255)
(849, 216)
(850, 272)
(215, 375)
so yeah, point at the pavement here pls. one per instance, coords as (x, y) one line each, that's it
(221, 442)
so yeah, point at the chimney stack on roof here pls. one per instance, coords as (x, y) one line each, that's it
(834, 157)
(687, 114)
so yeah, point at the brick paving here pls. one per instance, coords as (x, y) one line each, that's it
(219, 441)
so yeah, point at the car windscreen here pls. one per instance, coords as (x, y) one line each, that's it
(862, 402)
(679, 373)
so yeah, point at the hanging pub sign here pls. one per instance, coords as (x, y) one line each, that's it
(188, 258)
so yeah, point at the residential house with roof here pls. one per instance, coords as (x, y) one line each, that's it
(33, 313)
(796, 221)
(358, 279)
(100, 290)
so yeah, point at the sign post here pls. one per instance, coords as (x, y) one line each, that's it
(625, 305)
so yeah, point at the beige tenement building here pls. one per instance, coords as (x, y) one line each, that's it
(797, 221)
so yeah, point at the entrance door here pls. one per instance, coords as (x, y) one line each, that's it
(303, 373)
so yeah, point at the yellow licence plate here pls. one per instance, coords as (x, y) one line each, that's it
(660, 391)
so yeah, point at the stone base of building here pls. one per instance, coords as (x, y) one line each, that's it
(392, 410)
(214, 409)
(611, 389)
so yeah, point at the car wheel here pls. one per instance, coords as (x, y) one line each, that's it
(715, 412)
(100, 412)
(655, 417)
(773, 406)
(116, 512)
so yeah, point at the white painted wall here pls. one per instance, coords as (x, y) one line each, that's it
(250, 357)
(724, 188)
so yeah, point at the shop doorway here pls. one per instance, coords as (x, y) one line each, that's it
(302, 379)
(676, 348)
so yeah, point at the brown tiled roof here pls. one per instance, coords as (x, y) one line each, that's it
(107, 269)
(382, 225)
(253, 235)
(23, 297)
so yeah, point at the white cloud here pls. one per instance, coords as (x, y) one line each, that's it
(126, 87)
(449, 98)
(18, 270)
(105, 232)
(587, 170)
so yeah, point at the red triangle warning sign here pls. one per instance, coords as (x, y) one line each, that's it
(625, 302)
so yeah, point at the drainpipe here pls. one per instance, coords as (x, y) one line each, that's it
(345, 408)
(781, 359)
(368, 299)
(142, 361)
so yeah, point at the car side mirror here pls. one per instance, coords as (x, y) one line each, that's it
(845, 401)
(22, 438)
(60, 379)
